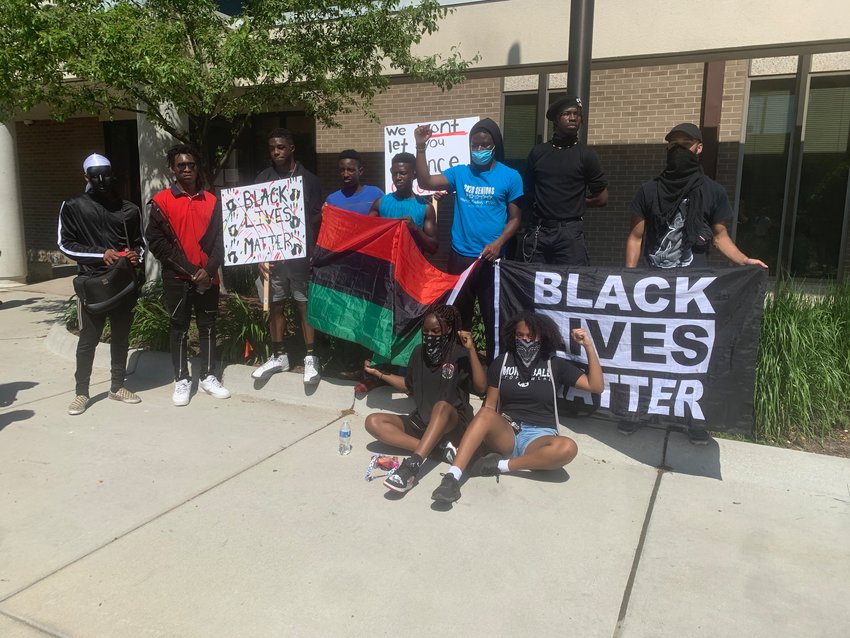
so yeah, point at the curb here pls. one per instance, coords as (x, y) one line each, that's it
(332, 394)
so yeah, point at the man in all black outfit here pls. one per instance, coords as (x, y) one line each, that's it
(563, 178)
(676, 218)
(96, 229)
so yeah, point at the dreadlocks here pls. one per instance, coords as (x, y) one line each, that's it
(448, 319)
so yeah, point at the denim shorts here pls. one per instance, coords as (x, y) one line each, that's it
(528, 434)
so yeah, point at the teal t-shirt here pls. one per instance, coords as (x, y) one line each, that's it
(392, 207)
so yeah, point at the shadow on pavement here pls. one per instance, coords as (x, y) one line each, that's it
(655, 445)
(9, 391)
(8, 304)
(385, 399)
(7, 418)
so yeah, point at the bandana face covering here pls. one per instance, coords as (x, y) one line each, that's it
(432, 347)
(680, 161)
(527, 351)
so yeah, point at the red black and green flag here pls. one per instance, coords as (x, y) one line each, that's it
(371, 284)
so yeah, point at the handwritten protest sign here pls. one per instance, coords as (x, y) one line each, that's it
(264, 222)
(448, 146)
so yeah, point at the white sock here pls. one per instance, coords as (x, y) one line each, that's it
(503, 465)
(455, 471)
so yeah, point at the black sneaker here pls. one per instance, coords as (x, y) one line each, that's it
(628, 427)
(487, 465)
(698, 436)
(404, 477)
(448, 491)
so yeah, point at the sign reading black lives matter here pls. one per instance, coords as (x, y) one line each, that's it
(264, 222)
(677, 345)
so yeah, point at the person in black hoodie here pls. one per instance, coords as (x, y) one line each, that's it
(96, 229)
(185, 233)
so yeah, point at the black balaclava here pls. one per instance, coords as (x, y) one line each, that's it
(682, 178)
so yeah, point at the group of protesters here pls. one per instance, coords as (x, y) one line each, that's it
(675, 219)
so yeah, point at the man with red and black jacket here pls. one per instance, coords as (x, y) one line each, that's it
(185, 233)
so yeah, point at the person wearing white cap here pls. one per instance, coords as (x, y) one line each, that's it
(96, 229)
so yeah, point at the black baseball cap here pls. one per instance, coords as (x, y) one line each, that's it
(561, 105)
(691, 130)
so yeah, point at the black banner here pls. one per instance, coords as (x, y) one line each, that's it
(674, 345)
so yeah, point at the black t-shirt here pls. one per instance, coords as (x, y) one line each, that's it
(447, 382)
(668, 247)
(313, 199)
(557, 180)
(531, 402)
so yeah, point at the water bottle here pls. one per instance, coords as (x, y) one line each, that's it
(345, 438)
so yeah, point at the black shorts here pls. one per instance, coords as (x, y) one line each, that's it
(414, 426)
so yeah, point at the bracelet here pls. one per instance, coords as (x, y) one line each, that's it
(421, 148)
(381, 378)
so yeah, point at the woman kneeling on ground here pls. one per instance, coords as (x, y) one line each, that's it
(519, 418)
(440, 374)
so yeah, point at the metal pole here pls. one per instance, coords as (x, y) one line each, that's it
(794, 168)
(580, 56)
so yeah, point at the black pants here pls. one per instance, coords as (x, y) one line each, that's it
(181, 299)
(562, 245)
(478, 286)
(91, 328)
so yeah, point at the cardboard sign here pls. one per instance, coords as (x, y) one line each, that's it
(264, 222)
(447, 147)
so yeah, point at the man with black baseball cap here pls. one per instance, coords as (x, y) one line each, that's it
(563, 177)
(676, 217)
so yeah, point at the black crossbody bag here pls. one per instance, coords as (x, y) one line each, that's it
(101, 293)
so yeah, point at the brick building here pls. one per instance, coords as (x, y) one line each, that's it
(771, 92)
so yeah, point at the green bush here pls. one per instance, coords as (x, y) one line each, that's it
(242, 321)
(149, 330)
(802, 386)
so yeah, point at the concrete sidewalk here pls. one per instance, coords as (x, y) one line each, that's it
(239, 518)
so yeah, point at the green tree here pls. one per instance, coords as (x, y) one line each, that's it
(325, 56)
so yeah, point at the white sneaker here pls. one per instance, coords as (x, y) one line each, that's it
(274, 364)
(311, 369)
(182, 392)
(212, 386)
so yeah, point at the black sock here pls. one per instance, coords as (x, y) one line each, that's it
(308, 347)
(277, 348)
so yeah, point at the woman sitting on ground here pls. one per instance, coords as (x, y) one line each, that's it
(519, 418)
(440, 374)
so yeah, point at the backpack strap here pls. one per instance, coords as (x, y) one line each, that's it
(554, 393)
(499, 387)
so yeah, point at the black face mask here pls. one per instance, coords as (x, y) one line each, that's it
(433, 347)
(100, 180)
(680, 161)
(527, 350)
